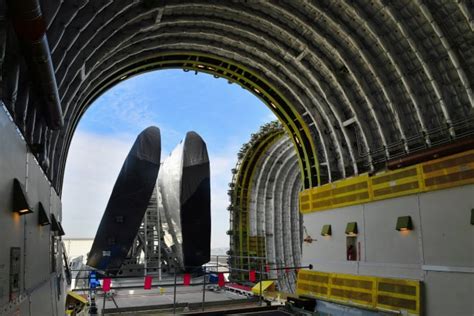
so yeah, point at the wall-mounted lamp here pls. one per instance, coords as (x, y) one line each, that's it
(404, 223)
(43, 218)
(351, 229)
(20, 201)
(56, 226)
(326, 230)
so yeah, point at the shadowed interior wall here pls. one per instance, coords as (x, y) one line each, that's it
(40, 292)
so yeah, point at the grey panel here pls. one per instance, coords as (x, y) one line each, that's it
(448, 236)
(449, 294)
(40, 300)
(56, 205)
(15, 230)
(332, 250)
(12, 165)
(38, 237)
(384, 244)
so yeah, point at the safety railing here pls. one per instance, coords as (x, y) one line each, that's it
(217, 268)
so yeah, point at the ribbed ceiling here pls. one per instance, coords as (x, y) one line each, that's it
(371, 80)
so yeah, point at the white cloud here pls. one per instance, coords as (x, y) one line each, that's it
(92, 168)
(221, 164)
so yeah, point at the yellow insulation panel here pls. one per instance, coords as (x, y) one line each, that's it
(354, 289)
(442, 173)
(397, 295)
(337, 194)
(305, 201)
(313, 283)
(449, 172)
(396, 183)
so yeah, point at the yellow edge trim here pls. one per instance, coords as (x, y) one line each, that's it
(447, 171)
(77, 297)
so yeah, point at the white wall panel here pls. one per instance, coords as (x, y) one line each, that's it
(448, 236)
(332, 249)
(449, 294)
(384, 244)
(442, 238)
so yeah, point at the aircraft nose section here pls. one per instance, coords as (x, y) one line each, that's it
(148, 145)
(195, 150)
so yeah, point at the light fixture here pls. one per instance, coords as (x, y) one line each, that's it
(404, 223)
(20, 201)
(297, 140)
(351, 229)
(43, 218)
(56, 226)
(326, 230)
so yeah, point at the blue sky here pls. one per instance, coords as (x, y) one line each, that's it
(176, 101)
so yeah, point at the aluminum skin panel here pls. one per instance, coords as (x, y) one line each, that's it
(128, 203)
(169, 184)
(185, 190)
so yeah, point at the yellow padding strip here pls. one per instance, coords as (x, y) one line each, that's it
(447, 172)
(337, 194)
(396, 295)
